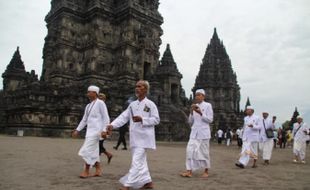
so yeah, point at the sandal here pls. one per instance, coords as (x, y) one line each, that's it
(204, 176)
(186, 174)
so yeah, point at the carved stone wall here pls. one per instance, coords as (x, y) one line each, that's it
(108, 43)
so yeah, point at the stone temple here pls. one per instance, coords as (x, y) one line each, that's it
(218, 79)
(111, 44)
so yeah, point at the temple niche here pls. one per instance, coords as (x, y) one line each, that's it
(108, 43)
(218, 79)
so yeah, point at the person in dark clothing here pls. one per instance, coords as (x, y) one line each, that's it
(121, 139)
(284, 139)
(104, 151)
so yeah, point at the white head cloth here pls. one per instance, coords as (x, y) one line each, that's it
(249, 108)
(93, 88)
(201, 91)
(299, 117)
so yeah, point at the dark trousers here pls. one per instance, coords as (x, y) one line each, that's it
(121, 139)
(219, 140)
(239, 140)
(101, 147)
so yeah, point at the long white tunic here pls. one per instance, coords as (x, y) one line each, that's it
(142, 134)
(262, 131)
(250, 139)
(201, 123)
(197, 150)
(96, 118)
(300, 133)
(251, 134)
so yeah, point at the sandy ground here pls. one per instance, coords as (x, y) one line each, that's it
(31, 163)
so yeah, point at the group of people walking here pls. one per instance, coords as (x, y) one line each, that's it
(258, 136)
(142, 116)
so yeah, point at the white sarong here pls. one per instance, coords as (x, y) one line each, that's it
(138, 174)
(197, 154)
(266, 148)
(299, 149)
(249, 150)
(90, 150)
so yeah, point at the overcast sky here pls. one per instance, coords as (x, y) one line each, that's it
(268, 42)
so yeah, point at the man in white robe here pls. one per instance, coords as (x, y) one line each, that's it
(265, 143)
(301, 135)
(220, 133)
(197, 151)
(96, 118)
(250, 139)
(143, 116)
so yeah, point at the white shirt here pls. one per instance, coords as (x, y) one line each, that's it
(262, 131)
(201, 123)
(142, 134)
(220, 133)
(300, 134)
(238, 132)
(96, 118)
(251, 134)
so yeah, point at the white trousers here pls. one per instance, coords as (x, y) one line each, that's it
(249, 150)
(299, 149)
(90, 150)
(138, 174)
(228, 142)
(266, 149)
(197, 154)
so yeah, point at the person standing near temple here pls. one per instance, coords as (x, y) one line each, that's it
(121, 138)
(265, 138)
(239, 137)
(220, 134)
(198, 147)
(301, 134)
(284, 138)
(96, 118)
(143, 116)
(229, 135)
(280, 137)
(250, 139)
(102, 149)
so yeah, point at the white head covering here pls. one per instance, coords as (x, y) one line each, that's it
(201, 91)
(299, 117)
(249, 108)
(93, 88)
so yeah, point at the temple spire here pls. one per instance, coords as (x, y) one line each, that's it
(248, 103)
(167, 58)
(215, 36)
(16, 61)
(217, 78)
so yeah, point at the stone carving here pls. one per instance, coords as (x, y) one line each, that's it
(109, 43)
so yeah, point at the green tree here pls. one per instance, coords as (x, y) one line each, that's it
(286, 125)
